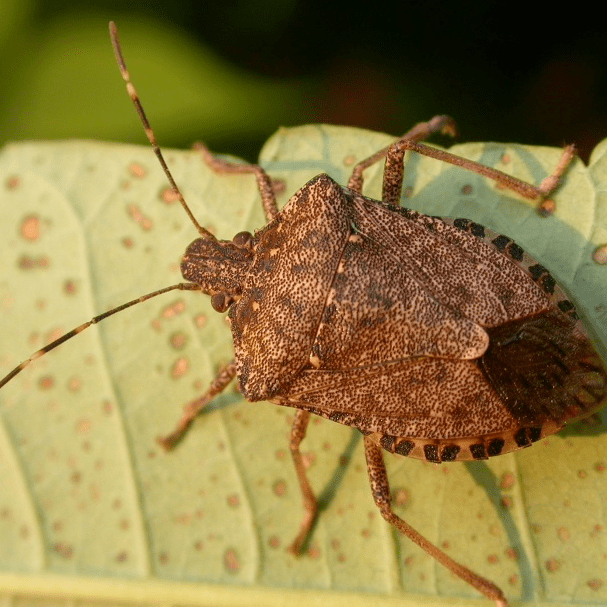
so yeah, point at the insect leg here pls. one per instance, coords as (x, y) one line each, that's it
(422, 130)
(264, 183)
(393, 172)
(381, 495)
(193, 408)
(298, 433)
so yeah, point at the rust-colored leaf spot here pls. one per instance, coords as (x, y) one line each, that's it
(69, 287)
(11, 183)
(173, 309)
(168, 196)
(46, 382)
(137, 216)
(73, 384)
(83, 425)
(279, 488)
(231, 561)
(552, 565)
(595, 584)
(563, 533)
(511, 553)
(27, 262)
(64, 550)
(507, 481)
(30, 227)
(178, 340)
(600, 255)
(274, 542)
(136, 170)
(180, 368)
(400, 496)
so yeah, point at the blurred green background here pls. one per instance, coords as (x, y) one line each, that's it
(230, 73)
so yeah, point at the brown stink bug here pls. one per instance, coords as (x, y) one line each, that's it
(436, 338)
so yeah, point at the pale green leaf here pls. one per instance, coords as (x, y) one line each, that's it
(92, 511)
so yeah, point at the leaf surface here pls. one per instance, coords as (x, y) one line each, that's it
(92, 510)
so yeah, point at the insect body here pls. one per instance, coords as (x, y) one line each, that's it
(436, 338)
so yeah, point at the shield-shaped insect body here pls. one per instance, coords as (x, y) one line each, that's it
(437, 338)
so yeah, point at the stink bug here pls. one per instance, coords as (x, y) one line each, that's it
(436, 338)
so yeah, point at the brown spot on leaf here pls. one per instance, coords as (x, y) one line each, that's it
(46, 382)
(231, 561)
(178, 340)
(64, 550)
(26, 262)
(506, 502)
(400, 496)
(274, 542)
(233, 500)
(168, 196)
(69, 287)
(552, 565)
(73, 384)
(11, 182)
(137, 216)
(563, 533)
(279, 488)
(507, 481)
(136, 170)
(179, 368)
(30, 227)
(594, 584)
(83, 425)
(600, 255)
(173, 309)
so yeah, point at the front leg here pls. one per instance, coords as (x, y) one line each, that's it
(193, 408)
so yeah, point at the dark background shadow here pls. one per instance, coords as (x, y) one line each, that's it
(505, 72)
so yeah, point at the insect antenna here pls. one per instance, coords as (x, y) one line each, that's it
(182, 286)
(149, 132)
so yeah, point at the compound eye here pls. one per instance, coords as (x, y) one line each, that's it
(243, 240)
(220, 302)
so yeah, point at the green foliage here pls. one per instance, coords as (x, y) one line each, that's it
(91, 508)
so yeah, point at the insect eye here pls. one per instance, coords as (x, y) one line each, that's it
(243, 240)
(221, 302)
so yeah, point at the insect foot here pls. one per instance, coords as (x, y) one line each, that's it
(435, 337)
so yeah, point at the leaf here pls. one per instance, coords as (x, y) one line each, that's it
(92, 510)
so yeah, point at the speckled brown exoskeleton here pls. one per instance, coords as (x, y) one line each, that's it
(435, 337)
